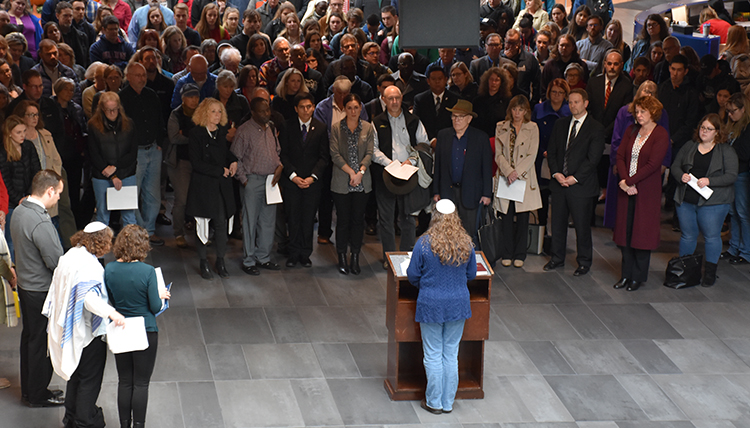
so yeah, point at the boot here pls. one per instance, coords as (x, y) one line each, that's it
(125, 423)
(139, 424)
(221, 268)
(354, 264)
(343, 268)
(205, 270)
(709, 276)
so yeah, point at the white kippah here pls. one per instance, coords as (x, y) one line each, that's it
(445, 206)
(94, 227)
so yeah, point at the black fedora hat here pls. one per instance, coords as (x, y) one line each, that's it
(398, 186)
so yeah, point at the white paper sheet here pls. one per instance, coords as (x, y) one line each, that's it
(706, 192)
(403, 172)
(514, 192)
(130, 338)
(161, 286)
(273, 193)
(124, 199)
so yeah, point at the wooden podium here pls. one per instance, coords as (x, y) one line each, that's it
(406, 376)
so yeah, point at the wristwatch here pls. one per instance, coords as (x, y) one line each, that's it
(362, 171)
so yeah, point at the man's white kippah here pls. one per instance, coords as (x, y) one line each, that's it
(94, 227)
(445, 206)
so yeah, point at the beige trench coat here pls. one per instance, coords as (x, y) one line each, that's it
(527, 145)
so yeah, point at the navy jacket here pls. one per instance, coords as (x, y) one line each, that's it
(477, 176)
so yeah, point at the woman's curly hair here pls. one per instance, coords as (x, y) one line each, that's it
(448, 239)
(132, 244)
(98, 243)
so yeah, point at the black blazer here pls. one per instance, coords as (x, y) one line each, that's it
(476, 181)
(374, 108)
(584, 153)
(304, 158)
(622, 93)
(424, 108)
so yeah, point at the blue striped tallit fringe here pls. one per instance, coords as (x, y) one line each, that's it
(75, 308)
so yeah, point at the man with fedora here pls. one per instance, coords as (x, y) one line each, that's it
(463, 166)
(397, 133)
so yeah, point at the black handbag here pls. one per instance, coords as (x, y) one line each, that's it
(683, 272)
(490, 233)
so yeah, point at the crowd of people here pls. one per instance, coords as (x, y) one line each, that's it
(221, 101)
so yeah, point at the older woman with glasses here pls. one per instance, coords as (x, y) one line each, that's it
(462, 82)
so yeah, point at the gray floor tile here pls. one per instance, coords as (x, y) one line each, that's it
(282, 361)
(702, 356)
(540, 399)
(598, 357)
(227, 362)
(17, 415)
(682, 320)
(648, 395)
(336, 360)
(501, 403)
(584, 322)
(316, 402)
(723, 319)
(595, 398)
(740, 347)
(731, 286)
(535, 322)
(546, 358)
(258, 403)
(507, 359)
(652, 359)
(706, 396)
(541, 425)
(304, 288)
(371, 358)
(593, 288)
(181, 327)
(235, 326)
(365, 402)
(375, 315)
(498, 331)
(286, 325)
(352, 290)
(200, 405)
(538, 288)
(257, 291)
(336, 324)
(596, 424)
(635, 321)
(207, 294)
(713, 424)
(182, 363)
(675, 424)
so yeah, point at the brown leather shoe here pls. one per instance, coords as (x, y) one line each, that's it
(323, 240)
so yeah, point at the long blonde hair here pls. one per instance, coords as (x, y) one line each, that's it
(448, 239)
(12, 153)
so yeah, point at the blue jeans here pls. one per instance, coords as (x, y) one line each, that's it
(100, 191)
(148, 176)
(707, 220)
(739, 244)
(440, 346)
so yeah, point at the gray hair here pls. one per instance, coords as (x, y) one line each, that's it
(278, 41)
(342, 84)
(230, 51)
(226, 78)
(62, 83)
(93, 68)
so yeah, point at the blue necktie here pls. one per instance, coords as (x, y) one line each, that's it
(304, 132)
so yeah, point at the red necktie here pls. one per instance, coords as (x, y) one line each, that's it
(607, 93)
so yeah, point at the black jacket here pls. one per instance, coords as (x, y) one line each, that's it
(79, 42)
(684, 109)
(385, 141)
(622, 93)
(476, 181)
(209, 189)
(18, 175)
(307, 158)
(584, 152)
(424, 108)
(237, 107)
(113, 147)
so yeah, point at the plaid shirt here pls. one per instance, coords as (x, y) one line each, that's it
(91, 7)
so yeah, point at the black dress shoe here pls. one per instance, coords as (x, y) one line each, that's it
(633, 285)
(221, 268)
(622, 283)
(737, 260)
(424, 405)
(553, 265)
(250, 270)
(205, 270)
(50, 402)
(726, 255)
(306, 262)
(291, 262)
(371, 230)
(582, 270)
(343, 265)
(269, 266)
(56, 392)
(354, 264)
(163, 219)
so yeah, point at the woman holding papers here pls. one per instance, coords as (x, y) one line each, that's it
(77, 309)
(516, 145)
(704, 162)
(352, 142)
(738, 136)
(442, 263)
(132, 288)
(113, 151)
(639, 159)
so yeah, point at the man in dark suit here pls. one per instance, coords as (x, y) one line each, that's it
(463, 166)
(305, 155)
(494, 47)
(573, 153)
(377, 105)
(431, 106)
(608, 92)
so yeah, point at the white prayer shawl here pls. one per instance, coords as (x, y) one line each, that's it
(10, 318)
(76, 305)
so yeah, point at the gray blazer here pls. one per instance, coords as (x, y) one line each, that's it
(340, 156)
(37, 246)
(722, 173)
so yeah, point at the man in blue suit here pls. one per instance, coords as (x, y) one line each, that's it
(463, 166)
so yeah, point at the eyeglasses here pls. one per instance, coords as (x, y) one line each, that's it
(32, 115)
(494, 45)
(704, 129)
(111, 110)
(732, 111)
(459, 116)
(557, 92)
(652, 25)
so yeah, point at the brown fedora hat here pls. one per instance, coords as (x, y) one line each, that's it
(463, 107)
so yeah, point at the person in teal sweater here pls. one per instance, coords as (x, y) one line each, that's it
(132, 288)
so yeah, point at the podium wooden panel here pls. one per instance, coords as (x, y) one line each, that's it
(406, 376)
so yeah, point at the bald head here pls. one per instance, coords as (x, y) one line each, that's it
(393, 98)
(199, 68)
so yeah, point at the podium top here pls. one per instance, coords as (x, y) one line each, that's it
(399, 262)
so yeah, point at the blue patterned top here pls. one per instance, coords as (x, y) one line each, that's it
(352, 139)
(443, 293)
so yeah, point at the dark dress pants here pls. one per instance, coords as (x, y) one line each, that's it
(325, 209)
(134, 371)
(390, 205)
(36, 367)
(468, 216)
(564, 205)
(515, 233)
(635, 262)
(350, 220)
(301, 206)
(83, 388)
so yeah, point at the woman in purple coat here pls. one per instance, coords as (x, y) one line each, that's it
(623, 120)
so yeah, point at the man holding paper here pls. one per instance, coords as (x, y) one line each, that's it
(257, 150)
(397, 133)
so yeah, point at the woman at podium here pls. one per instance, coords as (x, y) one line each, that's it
(442, 263)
